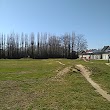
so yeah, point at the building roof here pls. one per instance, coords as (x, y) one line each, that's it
(105, 48)
(89, 51)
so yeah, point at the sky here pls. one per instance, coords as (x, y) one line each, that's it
(88, 17)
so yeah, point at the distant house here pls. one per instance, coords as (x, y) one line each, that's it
(91, 54)
(96, 54)
(105, 52)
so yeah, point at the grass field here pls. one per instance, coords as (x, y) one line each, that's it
(100, 72)
(28, 84)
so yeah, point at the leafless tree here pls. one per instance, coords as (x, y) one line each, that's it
(44, 46)
(81, 43)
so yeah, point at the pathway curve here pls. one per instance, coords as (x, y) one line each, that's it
(86, 74)
(60, 63)
(107, 64)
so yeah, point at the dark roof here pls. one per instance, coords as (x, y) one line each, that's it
(105, 48)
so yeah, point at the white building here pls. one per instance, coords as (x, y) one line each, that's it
(105, 52)
(91, 54)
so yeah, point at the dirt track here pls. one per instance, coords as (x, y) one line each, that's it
(60, 63)
(59, 76)
(86, 74)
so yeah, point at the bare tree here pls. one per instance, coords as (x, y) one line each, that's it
(44, 46)
(4, 48)
(73, 39)
(32, 45)
(65, 41)
(81, 43)
(0, 48)
(26, 45)
(17, 46)
(38, 45)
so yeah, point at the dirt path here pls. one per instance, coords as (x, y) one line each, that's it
(85, 60)
(59, 76)
(63, 72)
(60, 63)
(86, 74)
(107, 64)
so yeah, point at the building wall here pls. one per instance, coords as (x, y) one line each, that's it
(80, 56)
(105, 56)
(84, 56)
(98, 56)
(95, 57)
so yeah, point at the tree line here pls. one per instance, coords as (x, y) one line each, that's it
(16, 46)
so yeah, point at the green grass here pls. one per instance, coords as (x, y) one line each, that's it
(26, 69)
(28, 84)
(100, 72)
